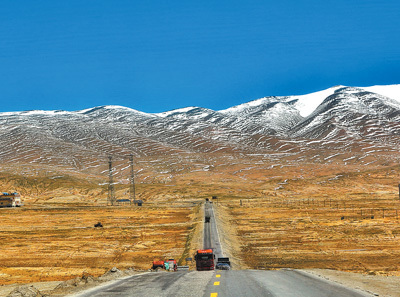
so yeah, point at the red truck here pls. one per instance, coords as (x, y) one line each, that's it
(204, 259)
(158, 264)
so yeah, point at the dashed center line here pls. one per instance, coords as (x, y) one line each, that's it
(214, 295)
(218, 275)
(216, 283)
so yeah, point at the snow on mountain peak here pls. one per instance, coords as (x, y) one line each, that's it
(113, 107)
(38, 112)
(175, 111)
(287, 124)
(306, 104)
(390, 91)
(241, 107)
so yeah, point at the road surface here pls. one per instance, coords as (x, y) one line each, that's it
(211, 235)
(232, 283)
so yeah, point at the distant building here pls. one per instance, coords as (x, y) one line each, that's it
(10, 200)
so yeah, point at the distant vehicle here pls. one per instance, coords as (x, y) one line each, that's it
(158, 264)
(222, 266)
(224, 260)
(223, 263)
(172, 264)
(204, 259)
(207, 216)
(10, 200)
(98, 225)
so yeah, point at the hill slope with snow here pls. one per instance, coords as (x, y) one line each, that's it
(339, 118)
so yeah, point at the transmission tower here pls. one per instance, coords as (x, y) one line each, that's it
(111, 195)
(132, 193)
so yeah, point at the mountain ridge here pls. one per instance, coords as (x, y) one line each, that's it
(389, 91)
(341, 118)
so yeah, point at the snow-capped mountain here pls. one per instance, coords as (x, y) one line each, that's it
(351, 112)
(341, 116)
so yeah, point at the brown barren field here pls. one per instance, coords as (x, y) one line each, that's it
(59, 243)
(274, 213)
(347, 222)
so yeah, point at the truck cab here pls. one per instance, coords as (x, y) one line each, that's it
(204, 259)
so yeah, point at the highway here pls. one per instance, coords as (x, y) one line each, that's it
(211, 235)
(232, 283)
(285, 283)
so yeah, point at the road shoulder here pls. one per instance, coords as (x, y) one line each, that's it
(377, 285)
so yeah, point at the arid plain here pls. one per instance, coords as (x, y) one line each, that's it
(276, 214)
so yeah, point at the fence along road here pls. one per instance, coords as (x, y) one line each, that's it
(232, 283)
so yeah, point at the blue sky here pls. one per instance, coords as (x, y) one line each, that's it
(156, 56)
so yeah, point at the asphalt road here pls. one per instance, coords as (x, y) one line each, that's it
(285, 283)
(232, 283)
(177, 284)
(211, 236)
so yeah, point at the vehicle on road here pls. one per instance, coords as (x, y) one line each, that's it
(207, 216)
(158, 264)
(172, 264)
(204, 259)
(223, 263)
(222, 266)
(224, 260)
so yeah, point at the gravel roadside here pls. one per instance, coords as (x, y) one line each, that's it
(229, 240)
(378, 285)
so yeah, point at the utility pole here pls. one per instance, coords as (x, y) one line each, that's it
(132, 193)
(111, 195)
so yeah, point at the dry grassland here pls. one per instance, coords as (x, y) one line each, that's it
(291, 216)
(58, 243)
(346, 221)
